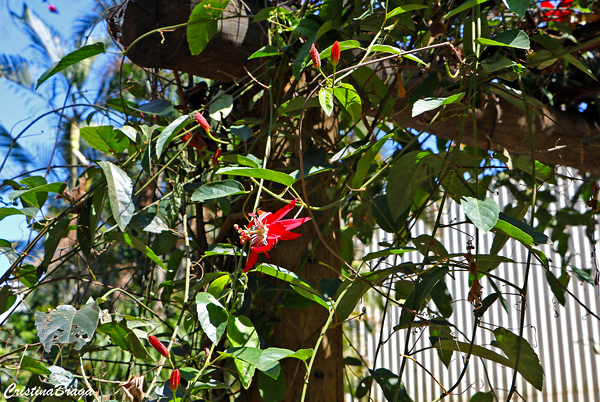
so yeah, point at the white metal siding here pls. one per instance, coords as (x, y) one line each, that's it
(566, 339)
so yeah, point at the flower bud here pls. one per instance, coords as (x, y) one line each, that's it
(202, 121)
(335, 53)
(156, 344)
(316, 58)
(216, 156)
(174, 380)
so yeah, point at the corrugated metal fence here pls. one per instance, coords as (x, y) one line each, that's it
(566, 339)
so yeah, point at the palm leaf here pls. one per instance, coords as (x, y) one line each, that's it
(16, 69)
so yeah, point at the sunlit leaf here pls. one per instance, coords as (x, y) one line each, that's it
(203, 24)
(78, 55)
(120, 190)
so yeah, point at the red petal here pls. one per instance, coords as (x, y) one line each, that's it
(251, 260)
(282, 212)
(289, 224)
(272, 241)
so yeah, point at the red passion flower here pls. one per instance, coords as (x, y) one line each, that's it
(266, 229)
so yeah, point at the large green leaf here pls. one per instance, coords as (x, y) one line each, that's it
(483, 213)
(241, 332)
(529, 366)
(393, 389)
(7, 298)
(105, 139)
(120, 190)
(203, 24)
(349, 100)
(212, 315)
(72, 58)
(519, 230)
(427, 104)
(266, 360)
(272, 390)
(217, 189)
(136, 243)
(326, 100)
(258, 173)
(365, 161)
(221, 106)
(37, 195)
(407, 175)
(300, 285)
(55, 234)
(34, 366)
(66, 324)
(125, 338)
(169, 133)
(529, 363)
(512, 38)
(519, 6)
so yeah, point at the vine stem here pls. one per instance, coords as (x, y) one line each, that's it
(332, 311)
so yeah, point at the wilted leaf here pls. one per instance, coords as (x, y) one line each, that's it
(66, 324)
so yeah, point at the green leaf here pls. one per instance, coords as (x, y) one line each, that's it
(27, 275)
(87, 221)
(425, 105)
(529, 366)
(344, 45)
(129, 132)
(294, 106)
(265, 51)
(125, 338)
(203, 24)
(404, 9)
(216, 286)
(105, 139)
(242, 132)
(7, 298)
(416, 300)
(406, 176)
(393, 389)
(212, 315)
(482, 397)
(519, 7)
(241, 332)
(483, 213)
(272, 390)
(70, 59)
(365, 161)
(169, 133)
(55, 234)
(28, 363)
(513, 38)
(37, 195)
(558, 285)
(350, 100)
(120, 190)
(438, 332)
(387, 252)
(258, 173)
(136, 243)
(240, 160)
(519, 230)
(529, 363)
(217, 189)
(300, 285)
(158, 107)
(220, 106)
(463, 7)
(326, 100)
(397, 50)
(357, 288)
(66, 324)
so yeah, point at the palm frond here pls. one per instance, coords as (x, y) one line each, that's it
(45, 40)
(86, 23)
(17, 69)
(15, 156)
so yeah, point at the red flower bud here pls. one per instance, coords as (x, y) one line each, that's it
(196, 141)
(216, 157)
(202, 121)
(174, 380)
(52, 8)
(156, 344)
(335, 53)
(316, 58)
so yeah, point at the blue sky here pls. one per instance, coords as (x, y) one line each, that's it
(17, 107)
